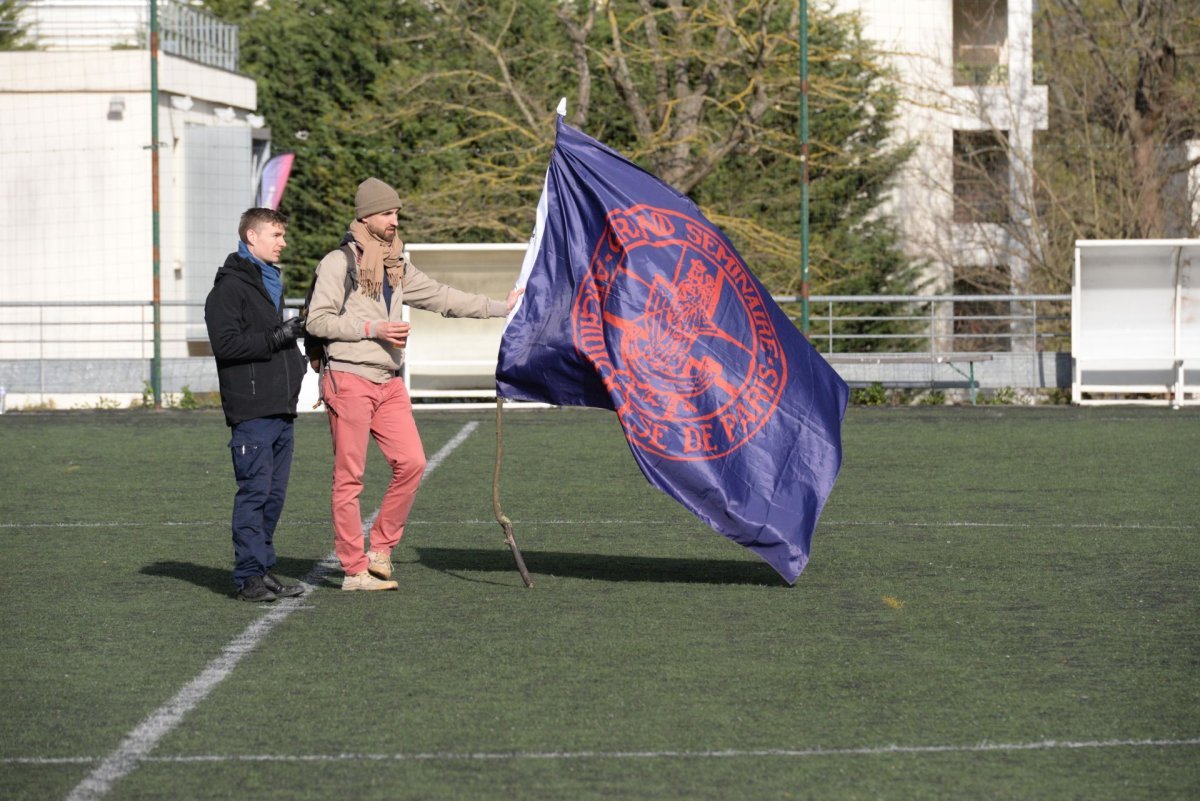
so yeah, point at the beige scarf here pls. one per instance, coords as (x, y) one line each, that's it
(378, 257)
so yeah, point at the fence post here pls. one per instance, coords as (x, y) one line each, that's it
(42, 354)
(156, 367)
(929, 328)
(829, 314)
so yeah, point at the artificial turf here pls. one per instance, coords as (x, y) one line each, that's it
(1001, 603)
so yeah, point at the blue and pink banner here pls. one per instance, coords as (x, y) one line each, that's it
(274, 180)
(635, 302)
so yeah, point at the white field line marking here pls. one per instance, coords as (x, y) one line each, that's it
(970, 524)
(831, 523)
(639, 522)
(983, 747)
(139, 742)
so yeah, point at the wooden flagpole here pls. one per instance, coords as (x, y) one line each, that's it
(502, 518)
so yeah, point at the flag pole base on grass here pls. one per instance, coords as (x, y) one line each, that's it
(502, 518)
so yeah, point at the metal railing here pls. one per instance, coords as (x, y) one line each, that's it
(936, 323)
(107, 346)
(197, 35)
(184, 31)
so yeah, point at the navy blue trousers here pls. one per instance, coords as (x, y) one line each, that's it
(262, 462)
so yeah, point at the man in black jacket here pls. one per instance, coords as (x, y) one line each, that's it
(260, 369)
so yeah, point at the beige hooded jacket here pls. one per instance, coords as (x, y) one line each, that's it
(349, 349)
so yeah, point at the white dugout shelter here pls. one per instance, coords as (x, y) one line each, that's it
(1135, 321)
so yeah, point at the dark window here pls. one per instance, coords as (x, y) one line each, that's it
(981, 181)
(980, 36)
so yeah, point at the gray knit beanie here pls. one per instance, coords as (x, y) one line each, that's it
(374, 196)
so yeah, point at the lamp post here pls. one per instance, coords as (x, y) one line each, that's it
(804, 167)
(156, 364)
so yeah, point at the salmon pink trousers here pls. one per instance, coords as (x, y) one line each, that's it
(360, 409)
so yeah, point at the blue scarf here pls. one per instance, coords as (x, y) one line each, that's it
(272, 277)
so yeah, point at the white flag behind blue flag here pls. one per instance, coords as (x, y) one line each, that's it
(637, 303)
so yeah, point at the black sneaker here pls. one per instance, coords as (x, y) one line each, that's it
(255, 590)
(281, 590)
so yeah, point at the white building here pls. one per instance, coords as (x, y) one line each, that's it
(971, 104)
(78, 207)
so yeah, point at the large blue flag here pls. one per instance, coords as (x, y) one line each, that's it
(637, 303)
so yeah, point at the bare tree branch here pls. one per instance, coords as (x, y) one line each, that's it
(579, 33)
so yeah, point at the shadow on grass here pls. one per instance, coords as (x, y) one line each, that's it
(454, 561)
(457, 561)
(220, 579)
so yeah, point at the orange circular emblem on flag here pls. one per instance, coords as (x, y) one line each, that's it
(677, 328)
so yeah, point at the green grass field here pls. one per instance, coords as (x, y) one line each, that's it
(1001, 604)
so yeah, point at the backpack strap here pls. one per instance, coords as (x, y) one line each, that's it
(351, 272)
(351, 281)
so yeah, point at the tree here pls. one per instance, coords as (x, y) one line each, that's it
(1124, 102)
(471, 106)
(1150, 99)
(453, 102)
(12, 32)
(682, 88)
(705, 95)
(314, 62)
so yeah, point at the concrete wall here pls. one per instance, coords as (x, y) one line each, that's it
(75, 383)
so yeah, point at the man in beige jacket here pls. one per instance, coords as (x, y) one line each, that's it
(360, 378)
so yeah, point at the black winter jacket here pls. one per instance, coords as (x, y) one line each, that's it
(255, 381)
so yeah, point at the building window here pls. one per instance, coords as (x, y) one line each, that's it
(981, 179)
(980, 36)
(982, 325)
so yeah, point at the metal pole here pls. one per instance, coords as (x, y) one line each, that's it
(156, 364)
(804, 167)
